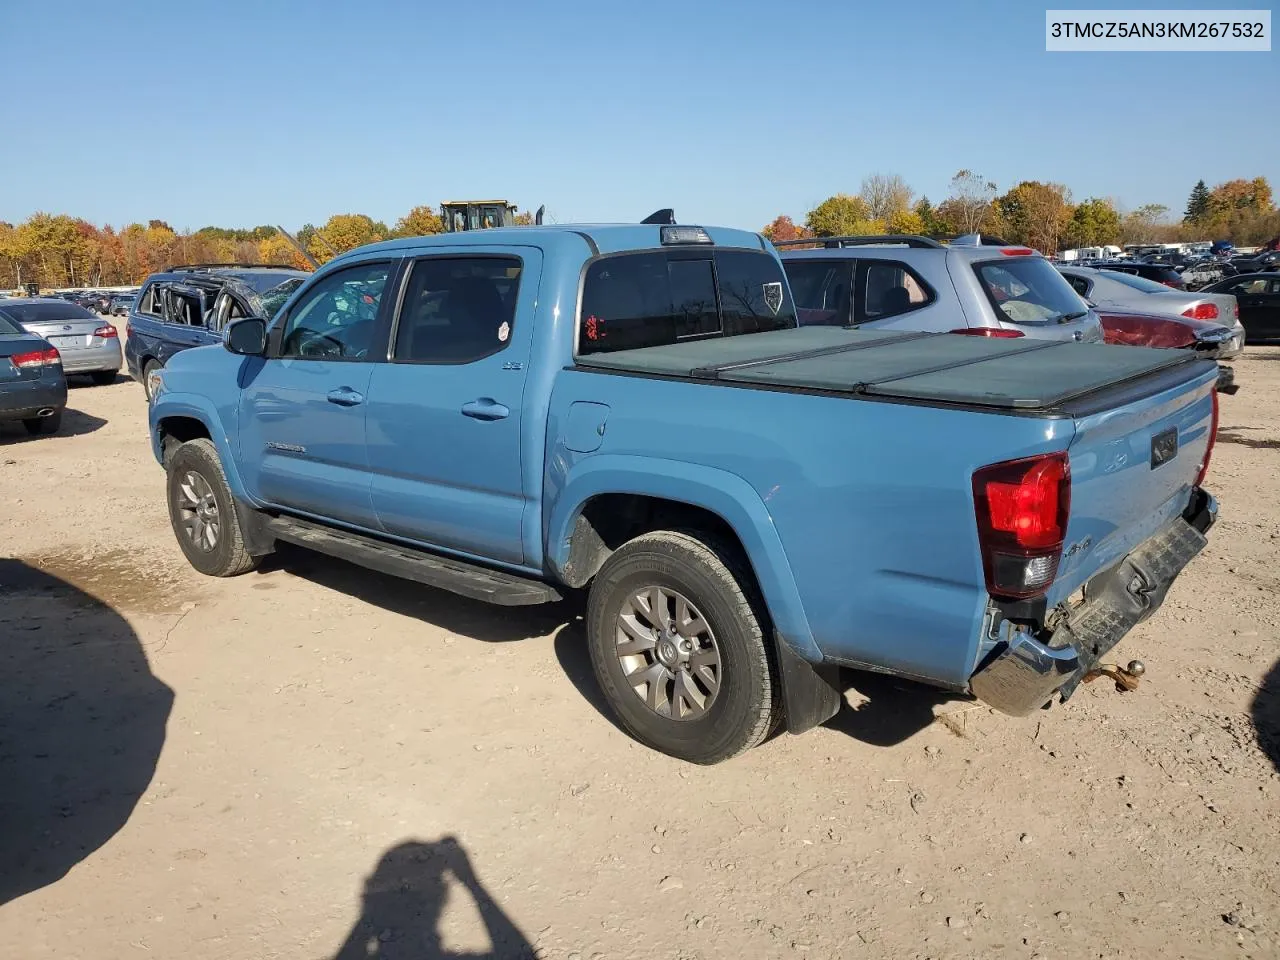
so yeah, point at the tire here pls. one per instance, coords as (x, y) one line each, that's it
(717, 584)
(198, 497)
(44, 425)
(147, 369)
(104, 377)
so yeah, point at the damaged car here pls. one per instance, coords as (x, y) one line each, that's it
(190, 306)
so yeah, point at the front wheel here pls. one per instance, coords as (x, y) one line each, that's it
(202, 512)
(678, 642)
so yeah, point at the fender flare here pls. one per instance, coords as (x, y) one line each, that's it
(725, 494)
(199, 408)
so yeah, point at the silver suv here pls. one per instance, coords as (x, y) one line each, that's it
(975, 285)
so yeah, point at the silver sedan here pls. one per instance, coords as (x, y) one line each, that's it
(1123, 291)
(89, 344)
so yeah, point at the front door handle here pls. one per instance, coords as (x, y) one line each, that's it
(486, 408)
(345, 397)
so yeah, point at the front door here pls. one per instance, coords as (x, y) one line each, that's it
(302, 409)
(444, 417)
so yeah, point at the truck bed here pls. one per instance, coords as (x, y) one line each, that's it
(1012, 375)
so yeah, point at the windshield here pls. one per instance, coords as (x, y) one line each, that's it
(661, 297)
(46, 312)
(274, 299)
(1137, 283)
(1029, 290)
(261, 281)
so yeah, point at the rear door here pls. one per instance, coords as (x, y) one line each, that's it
(889, 295)
(302, 408)
(445, 414)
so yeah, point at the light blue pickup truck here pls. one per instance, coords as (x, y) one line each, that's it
(520, 414)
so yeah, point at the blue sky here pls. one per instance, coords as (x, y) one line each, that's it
(239, 113)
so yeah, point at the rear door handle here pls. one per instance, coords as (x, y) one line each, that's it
(486, 408)
(345, 397)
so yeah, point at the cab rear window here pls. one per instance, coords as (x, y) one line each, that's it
(660, 297)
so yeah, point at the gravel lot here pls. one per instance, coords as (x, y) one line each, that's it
(315, 761)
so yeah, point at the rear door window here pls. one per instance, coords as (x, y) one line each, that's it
(822, 289)
(149, 301)
(457, 309)
(889, 288)
(662, 297)
(1028, 290)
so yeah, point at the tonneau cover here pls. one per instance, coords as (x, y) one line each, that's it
(1021, 373)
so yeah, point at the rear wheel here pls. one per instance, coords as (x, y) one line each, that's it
(202, 512)
(677, 641)
(103, 377)
(39, 425)
(148, 368)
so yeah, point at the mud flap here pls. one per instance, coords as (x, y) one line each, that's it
(810, 693)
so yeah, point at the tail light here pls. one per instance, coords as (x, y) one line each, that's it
(1213, 438)
(1202, 311)
(1022, 508)
(1175, 284)
(36, 358)
(107, 332)
(999, 332)
(1235, 310)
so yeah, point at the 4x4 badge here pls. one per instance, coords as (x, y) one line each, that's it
(773, 297)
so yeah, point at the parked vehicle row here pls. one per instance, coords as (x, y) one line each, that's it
(33, 388)
(752, 499)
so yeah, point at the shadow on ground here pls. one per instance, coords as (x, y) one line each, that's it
(891, 709)
(82, 721)
(75, 423)
(405, 897)
(448, 611)
(1266, 715)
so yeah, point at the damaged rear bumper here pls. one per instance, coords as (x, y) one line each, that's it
(1024, 672)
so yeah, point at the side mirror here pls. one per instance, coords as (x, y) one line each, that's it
(247, 337)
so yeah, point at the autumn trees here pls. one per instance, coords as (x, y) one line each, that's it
(1039, 214)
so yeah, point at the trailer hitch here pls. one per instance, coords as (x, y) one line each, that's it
(1126, 678)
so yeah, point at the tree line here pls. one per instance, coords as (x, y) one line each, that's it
(56, 250)
(1040, 215)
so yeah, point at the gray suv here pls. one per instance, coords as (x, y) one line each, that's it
(975, 285)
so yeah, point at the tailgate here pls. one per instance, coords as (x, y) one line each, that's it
(1132, 469)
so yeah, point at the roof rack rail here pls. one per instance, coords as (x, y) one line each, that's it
(192, 267)
(978, 240)
(835, 243)
(665, 216)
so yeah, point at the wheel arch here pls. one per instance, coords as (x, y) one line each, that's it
(184, 417)
(608, 500)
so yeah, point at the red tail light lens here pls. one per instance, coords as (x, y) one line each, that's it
(1213, 438)
(1177, 285)
(999, 332)
(1022, 508)
(107, 332)
(1235, 310)
(36, 358)
(1017, 251)
(1202, 311)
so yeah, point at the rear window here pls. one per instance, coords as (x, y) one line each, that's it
(1139, 283)
(8, 327)
(1028, 289)
(46, 312)
(662, 297)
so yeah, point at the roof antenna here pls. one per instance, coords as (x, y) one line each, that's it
(664, 216)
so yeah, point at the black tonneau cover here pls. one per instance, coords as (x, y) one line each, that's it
(1010, 374)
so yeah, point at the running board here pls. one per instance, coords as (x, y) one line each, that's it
(446, 573)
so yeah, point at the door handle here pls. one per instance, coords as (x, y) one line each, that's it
(345, 397)
(486, 408)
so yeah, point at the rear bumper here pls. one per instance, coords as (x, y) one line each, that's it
(92, 359)
(24, 399)
(1026, 671)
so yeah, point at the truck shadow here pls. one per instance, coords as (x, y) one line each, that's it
(405, 897)
(448, 611)
(82, 722)
(1265, 711)
(891, 709)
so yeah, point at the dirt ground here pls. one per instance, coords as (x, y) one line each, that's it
(315, 761)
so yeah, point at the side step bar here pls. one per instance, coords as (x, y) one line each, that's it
(447, 573)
